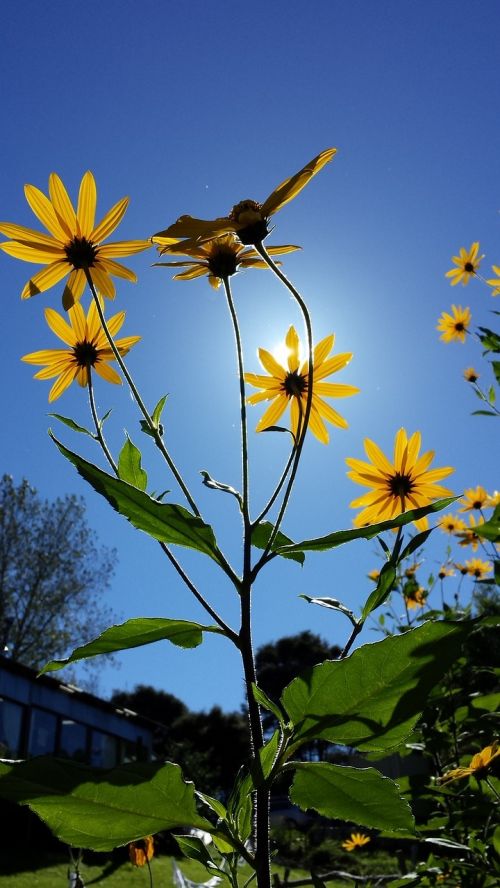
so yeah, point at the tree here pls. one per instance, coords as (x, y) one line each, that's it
(278, 662)
(53, 574)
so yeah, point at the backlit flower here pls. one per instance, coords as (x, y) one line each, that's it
(451, 524)
(357, 840)
(471, 375)
(479, 766)
(445, 571)
(467, 264)
(495, 282)
(469, 537)
(454, 326)
(494, 499)
(249, 219)
(88, 349)
(405, 483)
(74, 242)
(142, 851)
(218, 258)
(416, 598)
(289, 386)
(477, 568)
(462, 568)
(474, 498)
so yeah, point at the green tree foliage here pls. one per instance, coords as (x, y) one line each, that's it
(53, 574)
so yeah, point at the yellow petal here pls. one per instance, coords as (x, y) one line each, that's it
(271, 365)
(31, 254)
(103, 282)
(317, 426)
(75, 285)
(292, 342)
(273, 413)
(291, 187)
(335, 389)
(123, 248)
(323, 349)
(45, 278)
(59, 326)
(267, 382)
(30, 237)
(188, 226)
(47, 356)
(87, 199)
(62, 205)
(78, 322)
(55, 369)
(332, 365)
(43, 210)
(117, 269)
(108, 373)
(329, 413)
(111, 220)
(198, 270)
(62, 383)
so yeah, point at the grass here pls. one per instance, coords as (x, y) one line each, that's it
(21, 871)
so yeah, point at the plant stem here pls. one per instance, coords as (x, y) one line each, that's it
(243, 409)
(98, 429)
(310, 382)
(154, 431)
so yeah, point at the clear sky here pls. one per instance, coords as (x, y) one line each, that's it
(188, 108)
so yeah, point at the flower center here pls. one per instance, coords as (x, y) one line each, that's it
(251, 224)
(295, 384)
(85, 354)
(81, 252)
(477, 504)
(459, 327)
(223, 261)
(400, 485)
(469, 267)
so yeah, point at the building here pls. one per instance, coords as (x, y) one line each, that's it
(44, 716)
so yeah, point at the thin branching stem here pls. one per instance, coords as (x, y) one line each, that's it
(97, 424)
(243, 409)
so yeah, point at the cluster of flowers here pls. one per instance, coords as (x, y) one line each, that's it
(455, 326)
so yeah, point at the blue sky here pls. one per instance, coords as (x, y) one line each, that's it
(189, 108)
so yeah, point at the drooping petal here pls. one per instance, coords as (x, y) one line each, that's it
(317, 426)
(75, 285)
(108, 373)
(103, 282)
(45, 278)
(292, 186)
(188, 226)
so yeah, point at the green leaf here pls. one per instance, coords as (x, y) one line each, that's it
(496, 370)
(483, 413)
(491, 395)
(361, 795)
(385, 585)
(490, 340)
(339, 537)
(101, 809)
(373, 698)
(105, 417)
(72, 424)
(129, 466)
(262, 534)
(332, 604)
(210, 482)
(136, 633)
(263, 700)
(165, 522)
(193, 848)
(415, 543)
(157, 412)
(490, 530)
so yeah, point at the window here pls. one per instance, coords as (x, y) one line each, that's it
(104, 750)
(11, 716)
(42, 732)
(73, 740)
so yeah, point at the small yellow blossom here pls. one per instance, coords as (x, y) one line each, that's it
(454, 326)
(75, 242)
(374, 575)
(289, 386)
(445, 571)
(416, 598)
(412, 569)
(479, 766)
(494, 499)
(406, 483)
(141, 851)
(471, 375)
(464, 570)
(469, 537)
(357, 840)
(451, 524)
(467, 265)
(474, 498)
(248, 219)
(477, 568)
(495, 282)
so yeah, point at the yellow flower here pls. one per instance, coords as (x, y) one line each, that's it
(477, 568)
(469, 537)
(396, 486)
(142, 851)
(249, 219)
(495, 282)
(494, 499)
(416, 598)
(467, 264)
(462, 568)
(289, 386)
(218, 258)
(445, 571)
(471, 375)
(88, 349)
(454, 326)
(479, 766)
(357, 840)
(374, 575)
(74, 244)
(474, 498)
(411, 571)
(451, 524)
